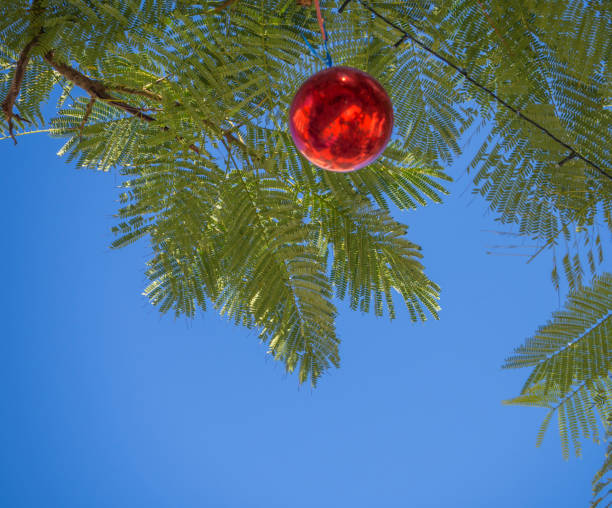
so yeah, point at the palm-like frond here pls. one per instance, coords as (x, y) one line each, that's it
(576, 345)
(571, 358)
(603, 477)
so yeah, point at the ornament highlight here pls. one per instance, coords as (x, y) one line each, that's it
(341, 119)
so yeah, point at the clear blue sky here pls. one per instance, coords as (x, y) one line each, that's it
(107, 404)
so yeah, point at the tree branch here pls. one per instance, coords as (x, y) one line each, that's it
(223, 5)
(88, 111)
(100, 91)
(95, 89)
(157, 81)
(133, 91)
(9, 101)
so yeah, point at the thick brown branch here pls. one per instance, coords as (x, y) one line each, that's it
(8, 103)
(95, 89)
(98, 90)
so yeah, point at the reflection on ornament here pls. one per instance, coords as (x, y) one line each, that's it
(341, 119)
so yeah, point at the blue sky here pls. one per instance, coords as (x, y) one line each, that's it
(105, 403)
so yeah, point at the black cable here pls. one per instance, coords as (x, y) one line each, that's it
(573, 153)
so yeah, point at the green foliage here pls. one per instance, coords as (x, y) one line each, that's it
(571, 358)
(550, 61)
(603, 477)
(237, 219)
(189, 104)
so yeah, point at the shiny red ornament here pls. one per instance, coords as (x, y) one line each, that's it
(341, 119)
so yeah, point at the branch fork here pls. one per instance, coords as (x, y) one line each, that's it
(96, 89)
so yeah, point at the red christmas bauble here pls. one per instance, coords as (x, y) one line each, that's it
(341, 119)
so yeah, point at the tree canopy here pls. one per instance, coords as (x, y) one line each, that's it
(188, 100)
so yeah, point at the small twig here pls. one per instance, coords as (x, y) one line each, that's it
(506, 254)
(237, 126)
(133, 91)
(562, 229)
(320, 20)
(88, 111)
(229, 137)
(510, 246)
(157, 81)
(504, 233)
(223, 5)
